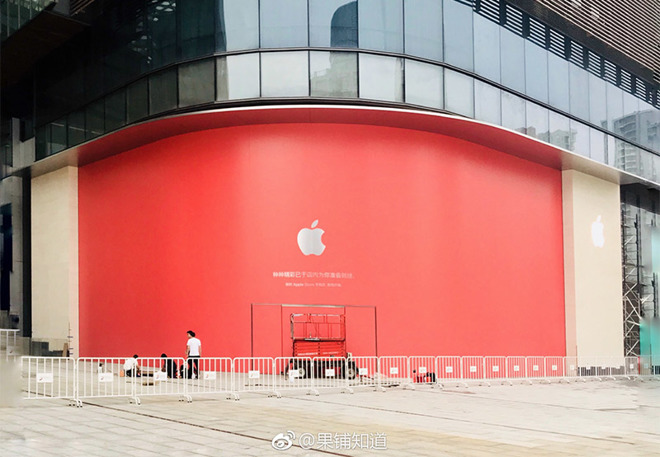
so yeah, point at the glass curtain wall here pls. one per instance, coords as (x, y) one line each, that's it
(149, 57)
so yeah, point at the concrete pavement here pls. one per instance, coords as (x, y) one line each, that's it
(609, 418)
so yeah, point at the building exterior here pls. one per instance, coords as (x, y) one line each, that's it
(472, 177)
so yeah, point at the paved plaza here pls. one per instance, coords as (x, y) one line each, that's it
(608, 418)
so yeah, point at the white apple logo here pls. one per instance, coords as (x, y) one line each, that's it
(597, 233)
(309, 240)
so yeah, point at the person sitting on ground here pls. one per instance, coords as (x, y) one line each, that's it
(169, 366)
(131, 367)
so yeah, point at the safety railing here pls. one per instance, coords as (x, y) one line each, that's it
(254, 375)
(293, 374)
(366, 371)
(133, 378)
(101, 377)
(8, 338)
(157, 376)
(450, 369)
(205, 376)
(394, 371)
(423, 370)
(48, 378)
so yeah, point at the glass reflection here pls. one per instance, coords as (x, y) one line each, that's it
(560, 133)
(197, 83)
(537, 121)
(487, 103)
(423, 28)
(284, 74)
(626, 156)
(513, 60)
(333, 23)
(629, 124)
(381, 78)
(581, 137)
(58, 136)
(486, 48)
(558, 82)
(76, 128)
(649, 126)
(536, 72)
(457, 24)
(137, 102)
(381, 25)
(333, 74)
(424, 84)
(513, 112)
(115, 110)
(161, 15)
(579, 91)
(238, 25)
(597, 101)
(238, 77)
(598, 145)
(614, 106)
(459, 93)
(197, 27)
(283, 23)
(162, 91)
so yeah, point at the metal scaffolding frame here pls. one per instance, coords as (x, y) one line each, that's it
(640, 297)
(632, 293)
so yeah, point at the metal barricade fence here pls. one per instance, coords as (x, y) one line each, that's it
(473, 368)
(366, 371)
(592, 367)
(253, 374)
(293, 373)
(554, 367)
(329, 373)
(645, 367)
(206, 375)
(8, 343)
(394, 371)
(516, 367)
(535, 367)
(101, 377)
(495, 368)
(48, 377)
(157, 376)
(631, 366)
(448, 369)
(571, 367)
(423, 370)
(613, 367)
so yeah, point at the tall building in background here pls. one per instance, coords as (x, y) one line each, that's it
(483, 174)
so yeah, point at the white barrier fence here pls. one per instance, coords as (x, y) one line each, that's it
(8, 343)
(48, 377)
(133, 378)
(206, 376)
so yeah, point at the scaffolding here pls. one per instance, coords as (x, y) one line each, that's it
(639, 283)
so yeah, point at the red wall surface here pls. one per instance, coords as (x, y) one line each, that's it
(456, 246)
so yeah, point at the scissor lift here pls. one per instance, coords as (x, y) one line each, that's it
(321, 337)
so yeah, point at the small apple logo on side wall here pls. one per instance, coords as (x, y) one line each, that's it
(597, 233)
(309, 240)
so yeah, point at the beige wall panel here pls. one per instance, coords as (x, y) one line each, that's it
(55, 258)
(592, 253)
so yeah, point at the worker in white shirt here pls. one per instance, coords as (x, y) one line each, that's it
(193, 352)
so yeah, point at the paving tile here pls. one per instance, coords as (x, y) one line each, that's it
(543, 420)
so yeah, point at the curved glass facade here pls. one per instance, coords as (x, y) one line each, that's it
(150, 57)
